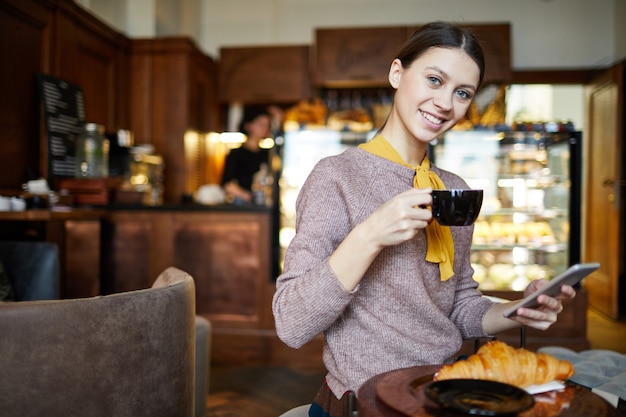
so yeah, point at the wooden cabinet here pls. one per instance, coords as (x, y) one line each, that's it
(265, 74)
(356, 57)
(360, 57)
(495, 40)
(173, 91)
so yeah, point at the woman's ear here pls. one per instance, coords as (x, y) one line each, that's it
(395, 73)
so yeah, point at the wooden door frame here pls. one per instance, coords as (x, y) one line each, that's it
(606, 287)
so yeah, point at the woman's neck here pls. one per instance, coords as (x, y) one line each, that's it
(410, 149)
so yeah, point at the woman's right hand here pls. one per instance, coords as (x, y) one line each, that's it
(400, 219)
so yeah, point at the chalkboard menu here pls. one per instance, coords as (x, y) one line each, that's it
(64, 113)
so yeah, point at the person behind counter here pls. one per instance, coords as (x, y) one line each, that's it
(242, 163)
(387, 286)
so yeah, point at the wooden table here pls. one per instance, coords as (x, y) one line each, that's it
(399, 393)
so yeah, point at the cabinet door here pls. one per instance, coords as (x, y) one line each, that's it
(275, 74)
(356, 57)
(603, 206)
(228, 256)
(495, 40)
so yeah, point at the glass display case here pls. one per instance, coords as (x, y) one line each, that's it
(302, 149)
(529, 225)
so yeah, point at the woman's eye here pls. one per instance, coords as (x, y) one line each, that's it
(434, 80)
(464, 94)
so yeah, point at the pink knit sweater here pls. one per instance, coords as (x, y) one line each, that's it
(401, 314)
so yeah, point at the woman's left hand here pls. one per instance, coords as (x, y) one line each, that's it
(546, 313)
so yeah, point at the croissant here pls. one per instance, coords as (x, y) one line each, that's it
(500, 362)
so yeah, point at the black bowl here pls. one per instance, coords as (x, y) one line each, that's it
(456, 207)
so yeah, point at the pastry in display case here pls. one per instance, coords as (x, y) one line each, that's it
(529, 225)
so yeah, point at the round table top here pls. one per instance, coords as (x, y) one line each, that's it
(399, 393)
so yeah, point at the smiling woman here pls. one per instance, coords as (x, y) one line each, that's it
(389, 287)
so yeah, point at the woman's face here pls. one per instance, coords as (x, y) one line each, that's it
(434, 92)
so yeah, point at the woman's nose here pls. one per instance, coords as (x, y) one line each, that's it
(443, 100)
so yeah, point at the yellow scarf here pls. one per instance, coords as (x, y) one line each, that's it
(440, 244)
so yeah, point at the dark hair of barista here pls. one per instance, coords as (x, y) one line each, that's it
(242, 163)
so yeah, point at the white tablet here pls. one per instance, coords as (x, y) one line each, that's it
(572, 276)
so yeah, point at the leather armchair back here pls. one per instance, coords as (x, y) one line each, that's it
(126, 354)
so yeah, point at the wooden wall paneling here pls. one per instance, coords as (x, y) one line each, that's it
(170, 111)
(228, 256)
(141, 93)
(495, 40)
(122, 108)
(205, 95)
(82, 259)
(26, 29)
(127, 251)
(173, 91)
(356, 57)
(265, 74)
(86, 55)
(163, 246)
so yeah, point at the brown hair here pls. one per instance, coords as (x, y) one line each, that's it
(442, 35)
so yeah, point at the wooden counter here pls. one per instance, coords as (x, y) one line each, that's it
(77, 234)
(227, 250)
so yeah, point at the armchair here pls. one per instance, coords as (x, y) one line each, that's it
(126, 354)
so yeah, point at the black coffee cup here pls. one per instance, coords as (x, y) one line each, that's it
(456, 207)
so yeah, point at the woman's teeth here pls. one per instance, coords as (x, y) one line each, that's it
(432, 118)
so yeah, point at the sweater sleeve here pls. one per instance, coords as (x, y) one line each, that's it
(309, 297)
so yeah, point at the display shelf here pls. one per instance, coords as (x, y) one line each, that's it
(550, 213)
(528, 227)
(552, 248)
